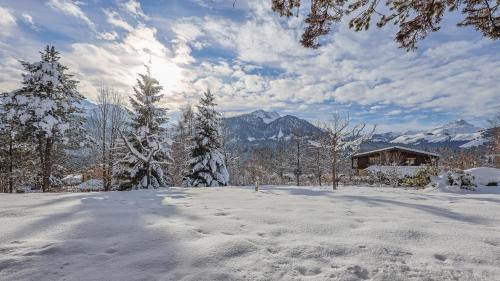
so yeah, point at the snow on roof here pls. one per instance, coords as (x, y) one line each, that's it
(395, 147)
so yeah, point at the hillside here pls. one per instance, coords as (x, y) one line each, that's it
(264, 127)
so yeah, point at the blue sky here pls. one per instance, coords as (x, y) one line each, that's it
(252, 59)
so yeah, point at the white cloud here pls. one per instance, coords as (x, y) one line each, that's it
(259, 63)
(115, 19)
(71, 8)
(116, 64)
(7, 22)
(365, 68)
(133, 7)
(110, 36)
(27, 18)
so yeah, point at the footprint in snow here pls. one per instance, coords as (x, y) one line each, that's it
(202, 231)
(111, 251)
(492, 243)
(308, 271)
(440, 257)
(220, 214)
(359, 272)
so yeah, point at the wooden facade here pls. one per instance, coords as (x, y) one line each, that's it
(393, 156)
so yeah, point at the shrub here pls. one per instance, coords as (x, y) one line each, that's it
(462, 180)
(422, 178)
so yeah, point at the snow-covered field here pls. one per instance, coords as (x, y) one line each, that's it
(279, 233)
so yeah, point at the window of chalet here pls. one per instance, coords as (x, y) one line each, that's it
(411, 161)
(355, 162)
(372, 159)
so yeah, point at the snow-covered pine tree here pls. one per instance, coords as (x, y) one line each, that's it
(207, 164)
(147, 144)
(46, 108)
(10, 142)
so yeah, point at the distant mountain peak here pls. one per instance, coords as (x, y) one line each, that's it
(260, 126)
(458, 131)
(458, 123)
(461, 122)
(266, 116)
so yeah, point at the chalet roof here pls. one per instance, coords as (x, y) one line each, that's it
(395, 147)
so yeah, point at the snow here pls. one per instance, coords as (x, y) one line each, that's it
(459, 130)
(401, 171)
(280, 134)
(474, 143)
(396, 147)
(229, 233)
(73, 179)
(91, 185)
(485, 175)
(267, 117)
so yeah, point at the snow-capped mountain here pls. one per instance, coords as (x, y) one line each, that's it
(263, 126)
(267, 117)
(456, 131)
(384, 137)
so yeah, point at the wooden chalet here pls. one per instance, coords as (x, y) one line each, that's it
(393, 156)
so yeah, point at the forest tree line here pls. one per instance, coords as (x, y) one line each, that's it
(45, 136)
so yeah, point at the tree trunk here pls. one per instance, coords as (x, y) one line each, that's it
(46, 162)
(319, 166)
(334, 171)
(298, 163)
(104, 166)
(148, 176)
(11, 164)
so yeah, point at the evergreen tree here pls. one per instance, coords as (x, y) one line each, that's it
(207, 164)
(146, 140)
(46, 108)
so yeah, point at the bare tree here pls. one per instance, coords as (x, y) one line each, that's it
(495, 140)
(298, 140)
(343, 140)
(318, 148)
(181, 146)
(280, 160)
(105, 122)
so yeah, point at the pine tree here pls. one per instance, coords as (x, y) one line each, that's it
(146, 141)
(207, 164)
(46, 108)
(9, 143)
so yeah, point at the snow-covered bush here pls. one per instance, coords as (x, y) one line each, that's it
(91, 185)
(485, 175)
(422, 178)
(461, 179)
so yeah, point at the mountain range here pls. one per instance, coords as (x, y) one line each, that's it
(261, 127)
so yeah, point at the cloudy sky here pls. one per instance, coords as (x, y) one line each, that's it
(252, 60)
